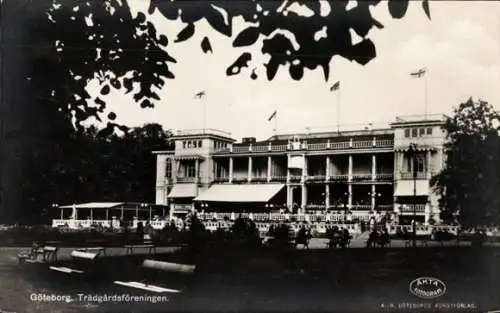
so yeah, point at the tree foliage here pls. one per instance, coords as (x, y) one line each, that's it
(281, 26)
(470, 182)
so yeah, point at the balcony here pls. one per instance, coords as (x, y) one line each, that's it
(279, 148)
(338, 178)
(384, 207)
(361, 207)
(317, 146)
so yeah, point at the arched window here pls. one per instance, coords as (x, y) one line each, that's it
(168, 168)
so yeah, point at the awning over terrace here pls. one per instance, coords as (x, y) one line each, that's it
(183, 191)
(240, 193)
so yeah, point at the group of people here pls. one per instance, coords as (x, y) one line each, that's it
(338, 237)
(378, 238)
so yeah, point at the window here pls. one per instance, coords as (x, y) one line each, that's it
(190, 170)
(199, 143)
(189, 145)
(414, 132)
(420, 165)
(184, 144)
(421, 132)
(168, 168)
(429, 131)
(407, 133)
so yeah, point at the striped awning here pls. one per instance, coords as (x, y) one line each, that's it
(405, 188)
(258, 193)
(184, 191)
(189, 157)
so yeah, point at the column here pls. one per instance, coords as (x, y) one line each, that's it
(304, 170)
(91, 214)
(230, 169)
(269, 165)
(289, 197)
(62, 213)
(349, 195)
(121, 215)
(249, 169)
(304, 197)
(374, 167)
(327, 196)
(374, 195)
(288, 169)
(327, 170)
(196, 171)
(428, 165)
(349, 171)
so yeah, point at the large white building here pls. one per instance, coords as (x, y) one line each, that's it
(357, 171)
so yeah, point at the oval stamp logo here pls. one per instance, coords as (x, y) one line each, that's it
(427, 287)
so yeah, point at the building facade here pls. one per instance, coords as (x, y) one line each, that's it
(357, 171)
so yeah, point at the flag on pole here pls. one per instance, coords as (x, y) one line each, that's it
(419, 73)
(335, 86)
(272, 115)
(200, 94)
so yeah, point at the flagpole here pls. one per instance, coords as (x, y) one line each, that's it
(338, 110)
(425, 94)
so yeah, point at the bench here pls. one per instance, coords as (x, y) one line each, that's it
(156, 269)
(85, 261)
(129, 249)
(98, 250)
(46, 252)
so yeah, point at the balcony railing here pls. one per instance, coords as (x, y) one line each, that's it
(384, 207)
(278, 178)
(409, 175)
(187, 179)
(239, 179)
(295, 178)
(316, 178)
(384, 176)
(408, 208)
(338, 177)
(259, 179)
(361, 144)
(361, 207)
(362, 177)
(221, 179)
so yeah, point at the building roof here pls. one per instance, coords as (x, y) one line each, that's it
(104, 205)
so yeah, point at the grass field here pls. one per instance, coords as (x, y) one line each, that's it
(352, 280)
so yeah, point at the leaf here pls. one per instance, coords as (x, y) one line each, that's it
(112, 116)
(247, 37)
(163, 40)
(242, 61)
(364, 52)
(186, 33)
(216, 20)
(146, 104)
(128, 84)
(99, 101)
(116, 84)
(105, 90)
(425, 5)
(205, 45)
(398, 8)
(141, 18)
(297, 72)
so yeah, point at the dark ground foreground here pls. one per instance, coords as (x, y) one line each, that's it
(352, 280)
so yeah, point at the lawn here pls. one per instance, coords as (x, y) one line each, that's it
(352, 280)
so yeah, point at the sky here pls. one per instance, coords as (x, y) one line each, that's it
(460, 47)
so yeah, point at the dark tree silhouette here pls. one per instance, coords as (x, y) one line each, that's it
(470, 182)
(52, 49)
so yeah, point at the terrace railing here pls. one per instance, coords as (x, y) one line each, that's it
(315, 178)
(362, 177)
(278, 178)
(343, 145)
(384, 176)
(295, 178)
(338, 177)
(221, 179)
(409, 208)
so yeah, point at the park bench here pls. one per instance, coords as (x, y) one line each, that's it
(84, 261)
(153, 272)
(98, 250)
(129, 249)
(47, 253)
